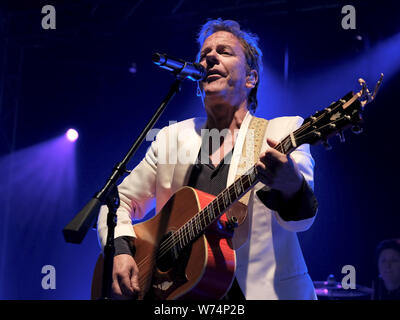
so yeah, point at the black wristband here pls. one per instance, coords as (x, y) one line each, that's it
(124, 245)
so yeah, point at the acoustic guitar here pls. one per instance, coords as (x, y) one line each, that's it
(185, 251)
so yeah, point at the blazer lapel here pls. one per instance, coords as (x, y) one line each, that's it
(189, 143)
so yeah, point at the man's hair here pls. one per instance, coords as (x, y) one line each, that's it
(249, 42)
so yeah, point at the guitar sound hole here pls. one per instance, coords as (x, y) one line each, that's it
(167, 255)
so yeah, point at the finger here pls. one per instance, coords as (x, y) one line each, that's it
(135, 278)
(272, 143)
(269, 157)
(135, 282)
(266, 180)
(116, 291)
(261, 164)
(264, 173)
(272, 153)
(125, 285)
(275, 147)
(270, 163)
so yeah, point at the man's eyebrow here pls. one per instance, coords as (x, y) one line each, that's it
(224, 46)
(219, 46)
(205, 50)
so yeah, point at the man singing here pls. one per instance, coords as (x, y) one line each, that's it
(269, 264)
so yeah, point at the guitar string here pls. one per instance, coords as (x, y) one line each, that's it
(183, 232)
(170, 243)
(203, 214)
(149, 273)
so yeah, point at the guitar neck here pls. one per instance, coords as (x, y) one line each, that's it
(306, 133)
(318, 128)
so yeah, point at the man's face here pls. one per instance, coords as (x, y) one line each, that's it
(389, 266)
(223, 57)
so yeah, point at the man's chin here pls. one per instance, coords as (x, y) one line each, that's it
(214, 91)
(214, 96)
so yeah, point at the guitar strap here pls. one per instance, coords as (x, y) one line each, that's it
(250, 154)
(251, 149)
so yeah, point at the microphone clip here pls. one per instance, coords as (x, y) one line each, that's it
(180, 68)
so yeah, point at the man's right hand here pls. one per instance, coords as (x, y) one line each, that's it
(125, 277)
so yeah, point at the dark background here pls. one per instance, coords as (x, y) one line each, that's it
(78, 76)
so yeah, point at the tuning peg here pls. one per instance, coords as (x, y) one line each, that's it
(356, 129)
(326, 145)
(341, 136)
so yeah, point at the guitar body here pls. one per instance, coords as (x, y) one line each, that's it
(204, 269)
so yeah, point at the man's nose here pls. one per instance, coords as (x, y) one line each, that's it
(212, 59)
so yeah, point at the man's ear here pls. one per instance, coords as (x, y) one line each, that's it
(252, 79)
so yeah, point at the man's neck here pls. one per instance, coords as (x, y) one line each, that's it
(226, 117)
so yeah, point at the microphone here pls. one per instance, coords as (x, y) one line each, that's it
(193, 71)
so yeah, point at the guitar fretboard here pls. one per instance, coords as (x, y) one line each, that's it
(198, 223)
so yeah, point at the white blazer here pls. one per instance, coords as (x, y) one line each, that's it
(270, 265)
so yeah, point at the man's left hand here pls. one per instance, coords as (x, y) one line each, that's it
(279, 171)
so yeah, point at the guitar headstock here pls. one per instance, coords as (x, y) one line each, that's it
(338, 117)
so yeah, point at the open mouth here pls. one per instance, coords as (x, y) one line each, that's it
(213, 75)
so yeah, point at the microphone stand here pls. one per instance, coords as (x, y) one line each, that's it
(77, 228)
